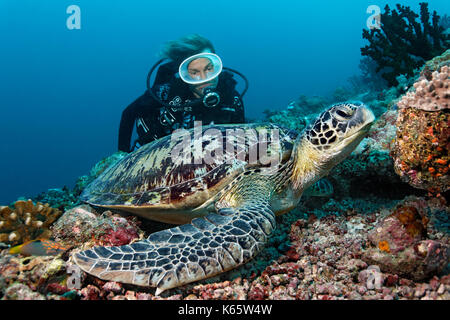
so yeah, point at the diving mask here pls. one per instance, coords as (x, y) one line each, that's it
(200, 68)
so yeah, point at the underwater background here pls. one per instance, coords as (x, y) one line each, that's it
(62, 91)
(375, 228)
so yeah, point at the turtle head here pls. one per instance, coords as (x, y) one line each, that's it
(338, 130)
(330, 139)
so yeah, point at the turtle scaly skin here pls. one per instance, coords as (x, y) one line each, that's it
(232, 225)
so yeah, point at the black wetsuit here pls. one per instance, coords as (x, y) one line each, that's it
(148, 114)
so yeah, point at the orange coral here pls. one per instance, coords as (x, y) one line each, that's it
(413, 222)
(384, 246)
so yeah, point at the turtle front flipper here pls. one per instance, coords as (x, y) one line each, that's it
(206, 247)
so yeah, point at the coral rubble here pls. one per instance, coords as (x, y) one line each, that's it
(327, 259)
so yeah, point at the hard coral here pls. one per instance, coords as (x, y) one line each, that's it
(421, 148)
(430, 95)
(410, 218)
(402, 43)
(435, 64)
(26, 221)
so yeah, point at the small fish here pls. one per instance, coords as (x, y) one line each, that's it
(322, 188)
(39, 247)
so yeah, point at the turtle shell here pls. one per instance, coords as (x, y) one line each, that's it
(167, 179)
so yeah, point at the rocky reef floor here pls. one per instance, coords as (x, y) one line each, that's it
(351, 253)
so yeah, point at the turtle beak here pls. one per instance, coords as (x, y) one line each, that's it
(358, 127)
(366, 117)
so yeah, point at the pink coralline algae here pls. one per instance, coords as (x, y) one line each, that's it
(83, 224)
(119, 237)
(411, 254)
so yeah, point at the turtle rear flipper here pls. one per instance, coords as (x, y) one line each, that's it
(206, 247)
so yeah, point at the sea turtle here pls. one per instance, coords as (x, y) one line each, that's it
(227, 205)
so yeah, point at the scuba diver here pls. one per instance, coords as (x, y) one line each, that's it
(192, 86)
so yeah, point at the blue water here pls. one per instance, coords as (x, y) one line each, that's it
(62, 91)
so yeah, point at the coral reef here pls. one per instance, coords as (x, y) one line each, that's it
(20, 291)
(61, 198)
(322, 258)
(34, 273)
(370, 162)
(26, 221)
(368, 77)
(47, 277)
(370, 239)
(299, 112)
(421, 149)
(65, 198)
(402, 43)
(98, 168)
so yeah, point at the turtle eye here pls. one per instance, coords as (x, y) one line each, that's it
(344, 112)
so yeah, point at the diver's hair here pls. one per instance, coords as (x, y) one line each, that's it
(178, 50)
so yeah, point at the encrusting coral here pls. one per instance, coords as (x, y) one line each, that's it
(405, 244)
(421, 148)
(26, 221)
